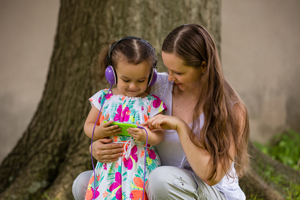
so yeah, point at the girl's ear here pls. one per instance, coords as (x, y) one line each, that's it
(203, 67)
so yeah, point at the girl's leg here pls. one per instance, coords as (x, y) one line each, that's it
(80, 185)
(169, 182)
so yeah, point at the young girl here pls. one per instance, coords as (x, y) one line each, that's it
(132, 63)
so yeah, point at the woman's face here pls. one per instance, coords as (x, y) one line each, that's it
(187, 78)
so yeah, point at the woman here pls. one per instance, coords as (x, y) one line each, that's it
(207, 129)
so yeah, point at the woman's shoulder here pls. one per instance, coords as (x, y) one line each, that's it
(162, 83)
(162, 77)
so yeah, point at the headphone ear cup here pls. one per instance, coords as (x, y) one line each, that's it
(152, 78)
(110, 75)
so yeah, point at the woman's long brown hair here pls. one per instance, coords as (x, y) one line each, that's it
(226, 117)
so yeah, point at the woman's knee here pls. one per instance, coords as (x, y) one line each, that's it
(158, 176)
(169, 182)
(156, 182)
(80, 185)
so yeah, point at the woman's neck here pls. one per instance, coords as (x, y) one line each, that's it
(193, 94)
(185, 100)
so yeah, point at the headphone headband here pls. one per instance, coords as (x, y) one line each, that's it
(110, 73)
(113, 46)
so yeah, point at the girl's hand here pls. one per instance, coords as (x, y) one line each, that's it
(165, 122)
(138, 134)
(106, 130)
(105, 151)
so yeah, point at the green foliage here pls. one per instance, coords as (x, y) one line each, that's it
(254, 197)
(48, 198)
(289, 189)
(284, 148)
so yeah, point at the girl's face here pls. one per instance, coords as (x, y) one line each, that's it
(132, 79)
(187, 78)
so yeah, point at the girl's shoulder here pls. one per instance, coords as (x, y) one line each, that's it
(155, 102)
(151, 97)
(102, 93)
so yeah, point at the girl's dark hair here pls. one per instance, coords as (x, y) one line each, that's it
(226, 117)
(134, 50)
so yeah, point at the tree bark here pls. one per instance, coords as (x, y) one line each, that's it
(54, 149)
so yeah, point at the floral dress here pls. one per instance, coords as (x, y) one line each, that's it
(124, 179)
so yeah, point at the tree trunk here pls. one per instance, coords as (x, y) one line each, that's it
(54, 148)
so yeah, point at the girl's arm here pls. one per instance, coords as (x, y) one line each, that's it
(198, 158)
(102, 130)
(154, 136)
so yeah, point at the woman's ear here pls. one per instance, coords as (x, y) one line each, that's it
(203, 67)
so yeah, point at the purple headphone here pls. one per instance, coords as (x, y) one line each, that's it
(110, 73)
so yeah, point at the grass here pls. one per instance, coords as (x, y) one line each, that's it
(254, 197)
(285, 148)
(48, 198)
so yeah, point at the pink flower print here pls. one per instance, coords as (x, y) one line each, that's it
(128, 163)
(116, 187)
(95, 193)
(108, 96)
(125, 115)
(142, 108)
(151, 154)
(156, 102)
(118, 115)
(105, 166)
(122, 115)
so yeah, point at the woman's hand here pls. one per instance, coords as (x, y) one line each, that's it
(164, 122)
(104, 151)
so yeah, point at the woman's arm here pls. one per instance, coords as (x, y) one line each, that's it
(199, 159)
(102, 130)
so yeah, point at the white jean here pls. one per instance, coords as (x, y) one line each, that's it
(164, 183)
